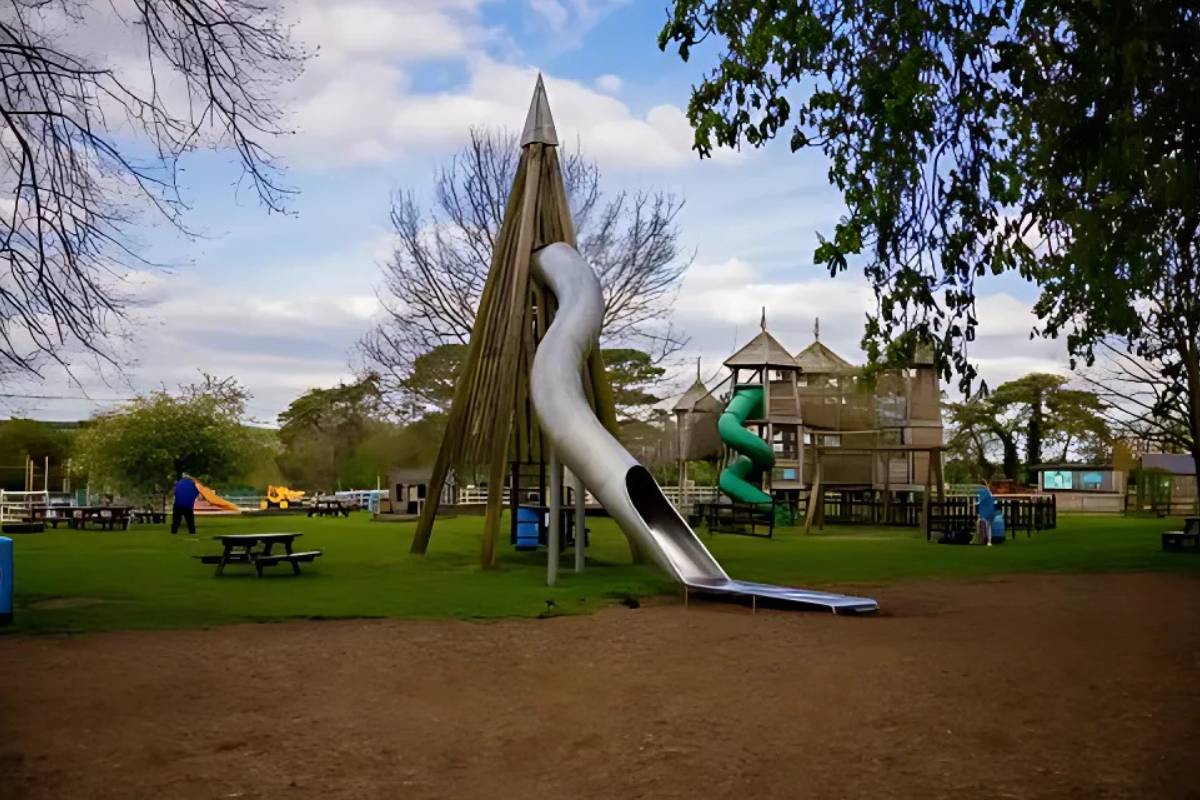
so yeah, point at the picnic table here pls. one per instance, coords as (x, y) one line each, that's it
(50, 515)
(244, 548)
(1178, 540)
(107, 517)
(147, 516)
(329, 508)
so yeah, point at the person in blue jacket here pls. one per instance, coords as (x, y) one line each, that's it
(184, 506)
(987, 512)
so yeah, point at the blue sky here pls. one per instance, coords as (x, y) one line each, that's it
(279, 301)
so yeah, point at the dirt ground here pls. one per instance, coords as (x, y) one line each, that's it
(1044, 686)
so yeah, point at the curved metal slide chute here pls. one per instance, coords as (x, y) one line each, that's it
(623, 486)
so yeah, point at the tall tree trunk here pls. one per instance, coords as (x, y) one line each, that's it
(1191, 362)
(1012, 457)
(1033, 437)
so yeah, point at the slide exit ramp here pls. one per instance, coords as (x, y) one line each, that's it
(623, 486)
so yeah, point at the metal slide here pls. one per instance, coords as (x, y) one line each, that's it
(623, 486)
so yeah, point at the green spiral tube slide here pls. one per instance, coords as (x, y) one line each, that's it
(755, 454)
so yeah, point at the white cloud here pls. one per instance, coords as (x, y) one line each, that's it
(371, 120)
(277, 346)
(553, 12)
(609, 84)
(370, 117)
(570, 20)
(403, 30)
(356, 103)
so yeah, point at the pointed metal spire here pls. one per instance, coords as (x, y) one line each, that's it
(539, 125)
(697, 367)
(762, 323)
(817, 329)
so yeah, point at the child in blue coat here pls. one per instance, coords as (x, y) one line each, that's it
(987, 512)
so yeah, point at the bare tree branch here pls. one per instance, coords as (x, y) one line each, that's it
(82, 150)
(433, 281)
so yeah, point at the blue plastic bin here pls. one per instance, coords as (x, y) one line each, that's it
(529, 522)
(6, 580)
(998, 529)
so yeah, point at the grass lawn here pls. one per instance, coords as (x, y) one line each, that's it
(145, 578)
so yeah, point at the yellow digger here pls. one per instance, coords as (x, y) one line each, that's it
(280, 497)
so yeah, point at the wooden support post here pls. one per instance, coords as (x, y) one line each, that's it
(887, 488)
(926, 503)
(814, 496)
(491, 517)
(580, 524)
(553, 536)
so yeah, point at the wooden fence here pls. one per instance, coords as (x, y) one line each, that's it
(957, 514)
(954, 512)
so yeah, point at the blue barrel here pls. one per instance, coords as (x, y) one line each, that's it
(6, 580)
(529, 522)
(998, 528)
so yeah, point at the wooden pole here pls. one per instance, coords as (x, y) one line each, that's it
(517, 307)
(580, 525)
(935, 458)
(814, 495)
(887, 488)
(466, 399)
(553, 537)
(927, 503)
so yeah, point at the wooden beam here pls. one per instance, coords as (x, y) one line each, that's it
(814, 495)
(506, 366)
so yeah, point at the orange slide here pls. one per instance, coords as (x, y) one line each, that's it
(210, 502)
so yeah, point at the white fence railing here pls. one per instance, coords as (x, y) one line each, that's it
(694, 494)
(17, 506)
(473, 495)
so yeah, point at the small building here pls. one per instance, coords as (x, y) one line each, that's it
(1096, 488)
(696, 415)
(1174, 476)
(1064, 477)
(408, 489)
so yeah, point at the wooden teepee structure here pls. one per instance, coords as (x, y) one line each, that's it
(491, 417)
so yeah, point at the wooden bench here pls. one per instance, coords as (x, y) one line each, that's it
(25, 526)
(261, 561)
(295, 559)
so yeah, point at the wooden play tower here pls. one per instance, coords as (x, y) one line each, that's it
(492, 424)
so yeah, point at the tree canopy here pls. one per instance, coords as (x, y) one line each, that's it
(974, 137)
(633, 374)
(141, 448)
(1038, 411)
(29, 438)
(323, 432)
(430, 382)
